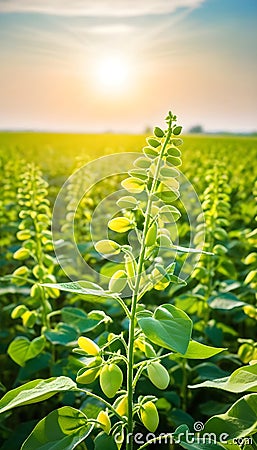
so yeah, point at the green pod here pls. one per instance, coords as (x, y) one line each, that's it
(21, 254)
(89, 346)
(151, 235)
(111, 378)
(52, 292)
(251, 276)
(39, 272)
(149, 416)
(23, 235)
(18, 311)
(118, 281)
(104, 419)
(36, 291)
(158, 375)
(219, 249)
(107, 247)
(22, 271)
(29, 319)
(88, 374)
(122, 406)
(220, 234)
(130, 266)
(251, 258)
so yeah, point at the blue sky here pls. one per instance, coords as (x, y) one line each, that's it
(196, 57)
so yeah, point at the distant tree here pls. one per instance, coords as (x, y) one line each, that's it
(196, 129)
(147, 130)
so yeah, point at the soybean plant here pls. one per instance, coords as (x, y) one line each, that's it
(36, 265)
(153, 187)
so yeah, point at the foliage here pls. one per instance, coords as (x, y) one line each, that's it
(135, 362)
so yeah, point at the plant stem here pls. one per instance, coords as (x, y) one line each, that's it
(97, 397)
(135, 296)
(39, 254)
(184, 384)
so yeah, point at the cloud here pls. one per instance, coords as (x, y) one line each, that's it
(110, 29)
(92, 8)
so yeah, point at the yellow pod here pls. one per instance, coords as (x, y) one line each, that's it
(122, 406)
(104, 420)
(89, 346)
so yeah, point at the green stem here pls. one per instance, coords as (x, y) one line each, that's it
(97, 397)
(132, 325)
(39, 255)
(123, 305)
(184, 384)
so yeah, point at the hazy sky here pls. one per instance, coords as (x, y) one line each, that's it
(120, 65)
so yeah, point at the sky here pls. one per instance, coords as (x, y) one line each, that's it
(120, 65)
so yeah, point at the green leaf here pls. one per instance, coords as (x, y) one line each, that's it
(176, 141)
(62, 429)
(169, 327)
(173, 161)
(133, 185)
(169, 213)
(107, 247)
(158, 132)
(241, 380)
(177, 130)
(227, 268)
(84, 322)
(169, 172)
(240, 420)
(35, 391)
(153, 142)
(209, 371)
(225, 301)
(62, 334)
(173, 151)
(22, 349)
(81, 287)
(138, 173)
(196, 350)
(167, 196)
(103, 441)
(220, 234)
(150, 152)
(142, 162)
(127, 202)
(120, 224)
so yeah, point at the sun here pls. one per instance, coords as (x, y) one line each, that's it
(112, 73)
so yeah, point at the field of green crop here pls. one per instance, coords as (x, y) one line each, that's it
(194, 361)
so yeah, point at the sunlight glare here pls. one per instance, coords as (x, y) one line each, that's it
(113, 73)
